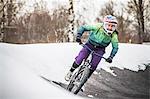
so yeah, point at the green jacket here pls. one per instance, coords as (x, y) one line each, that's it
(98, 37)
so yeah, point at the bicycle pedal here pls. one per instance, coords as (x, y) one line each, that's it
(81, 90)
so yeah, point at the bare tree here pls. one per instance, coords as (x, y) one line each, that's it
(8, 11)
(108, 8)
(59, 24)
(3, 4)
(41, 26)
(123, 26)
(11, 10)
(137, 9)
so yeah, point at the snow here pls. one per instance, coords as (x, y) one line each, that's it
(132, 56)
(91, 96)
(21, 65)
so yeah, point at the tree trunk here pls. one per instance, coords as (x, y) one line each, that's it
(140, 16)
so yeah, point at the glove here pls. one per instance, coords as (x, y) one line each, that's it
(78, 39)
(109, 60)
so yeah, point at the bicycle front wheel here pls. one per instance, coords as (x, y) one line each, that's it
(81, 78)
(71, 83)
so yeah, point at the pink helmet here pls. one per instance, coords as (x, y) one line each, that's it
(110, 24)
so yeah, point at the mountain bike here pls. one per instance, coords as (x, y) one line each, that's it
(81, 74)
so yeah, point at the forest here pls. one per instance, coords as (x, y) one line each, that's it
(42, 25)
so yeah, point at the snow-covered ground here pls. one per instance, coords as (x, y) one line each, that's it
(21, 65)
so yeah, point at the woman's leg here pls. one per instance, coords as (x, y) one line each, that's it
(83, 54)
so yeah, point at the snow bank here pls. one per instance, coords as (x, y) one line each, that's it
(21, 65)
(18, 79)
(129, 56)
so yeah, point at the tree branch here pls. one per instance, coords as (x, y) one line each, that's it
(4, 6)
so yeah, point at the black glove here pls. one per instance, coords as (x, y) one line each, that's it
(78, 39)
(109, 60)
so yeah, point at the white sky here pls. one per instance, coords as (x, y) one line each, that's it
(53, 3)
(93, 7)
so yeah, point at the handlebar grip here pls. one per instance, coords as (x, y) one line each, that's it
(80, 43)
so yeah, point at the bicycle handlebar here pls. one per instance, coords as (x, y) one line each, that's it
(83, 45)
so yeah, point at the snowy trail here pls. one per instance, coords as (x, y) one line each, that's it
(21, 65)
(19, 71)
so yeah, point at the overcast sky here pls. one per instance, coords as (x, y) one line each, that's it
(54, 3)
(92, 6)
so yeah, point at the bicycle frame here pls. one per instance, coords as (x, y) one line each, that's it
(92, 52)
(81, 74)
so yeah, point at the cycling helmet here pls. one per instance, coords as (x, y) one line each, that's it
(109, 24)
